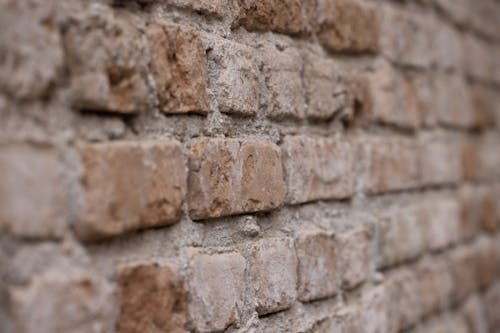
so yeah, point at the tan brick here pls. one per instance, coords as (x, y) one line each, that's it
(374, 310)
(477, 57)
(257, 15)
(354, 256)
(63, 300)
(440, 219)
(32, 191)
(475, 316)
(283, 77)
(318, 168)
(32, 53)
(492, 303)
(463, 267)
(151, 299)
(471, 212)
(274, 271)
(400, 235)
(489, 158)
(327, 91)
(217, 288)
(448, 46)
(453, 101)
(444, 323)
(470, 159)
(107, 59)
(440, 160)
(218, 8)
(179, 67)
(392, 164)
(235, 76)
(435, 285)
(129, 186)
(318, 275)
(234, 176)
(484, 105)
(349, 26)
(485, 260)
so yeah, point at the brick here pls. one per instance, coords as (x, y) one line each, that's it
(257, 15)
(471, 212)
(404, 302)
(107, 59)
(240, 93)
(283, 77)
(440, 219)
(318, 275)
(32, 53)
(179, 67)
(491, 304)
(151, 299)
(435, 285)
(489, 159)
(234, 176)
(63, 300)
(470, 159)
(463, 267)
(485, 260)
(392, 164)
(484, 104)
(395, 27)
(453, 101)
(477, 61)
(347, 26)
(129, 186)
(440, 160)
(318, 168)
(474, 315)
(445, 323)
(274, 271)
(374, 310)
(400, 235)
(32, 191)
(216, 285)
(448, 46)
(219, 8)
(327, 91)
(354, 256)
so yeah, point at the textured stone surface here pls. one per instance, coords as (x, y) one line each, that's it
(453, 101)
(216, 286)
(440, 160)
(440, 219)
(435, 285)
(32, 191)
(179, 67)
(107, 59)
(349, 26)
(354, 256)
(74, 300)
(463, 267)
(374, 310)
(318, 271)
(129, 186)
(249, 179)
(240, 93)
(151, 299)
(210, 7)
(274, 272)
(318, 168)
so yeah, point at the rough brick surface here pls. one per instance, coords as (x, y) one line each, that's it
(151, 299)
(216, 285)
(440, 160)
(144, 186)
(249, 179)
(318, 271)
(440, 220)
(274, 272)
(179, 66)
(354, 256)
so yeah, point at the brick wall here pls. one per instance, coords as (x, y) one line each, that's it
(249, 166)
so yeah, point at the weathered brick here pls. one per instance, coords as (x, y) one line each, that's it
(107, 59)
(472, 204)
(484, 104)
(216, 285)
(470, 159)
(444, 323)
(318, 168)
(318, 275)
(32, 54)
(474, 315)
(282, 70)
(274, 271)
(477, 60)
(293, 17)
(374, 310)
(63, 300)
(129, 186)
(234, 176)
(448, 46)
(151, 299)
(392, 164)
(32, 191)
(485, 260)
(354, 256)
(347, 26)
(440, 160)
(453, 101)
(435, 285)
(489, 158)
(218, 8)
(400, 235)
(491, 304)
(463, 267)
(440, 219)
(235, 93)
(179, 67)
(327, 91)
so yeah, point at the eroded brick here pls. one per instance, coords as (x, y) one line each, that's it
(274, 271)
(474, 315)
(440, 160)
(440, 219)
(179, 67)
(463, 267)
(435, 285)
(491, 304)
(318, 168)
(32, 191)
(374, 310)
(129, 186)
(151, 299)
(318, 275)
(217, 287)
(212, 7)
(354, 256)
(234, 176)
(453, 101)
